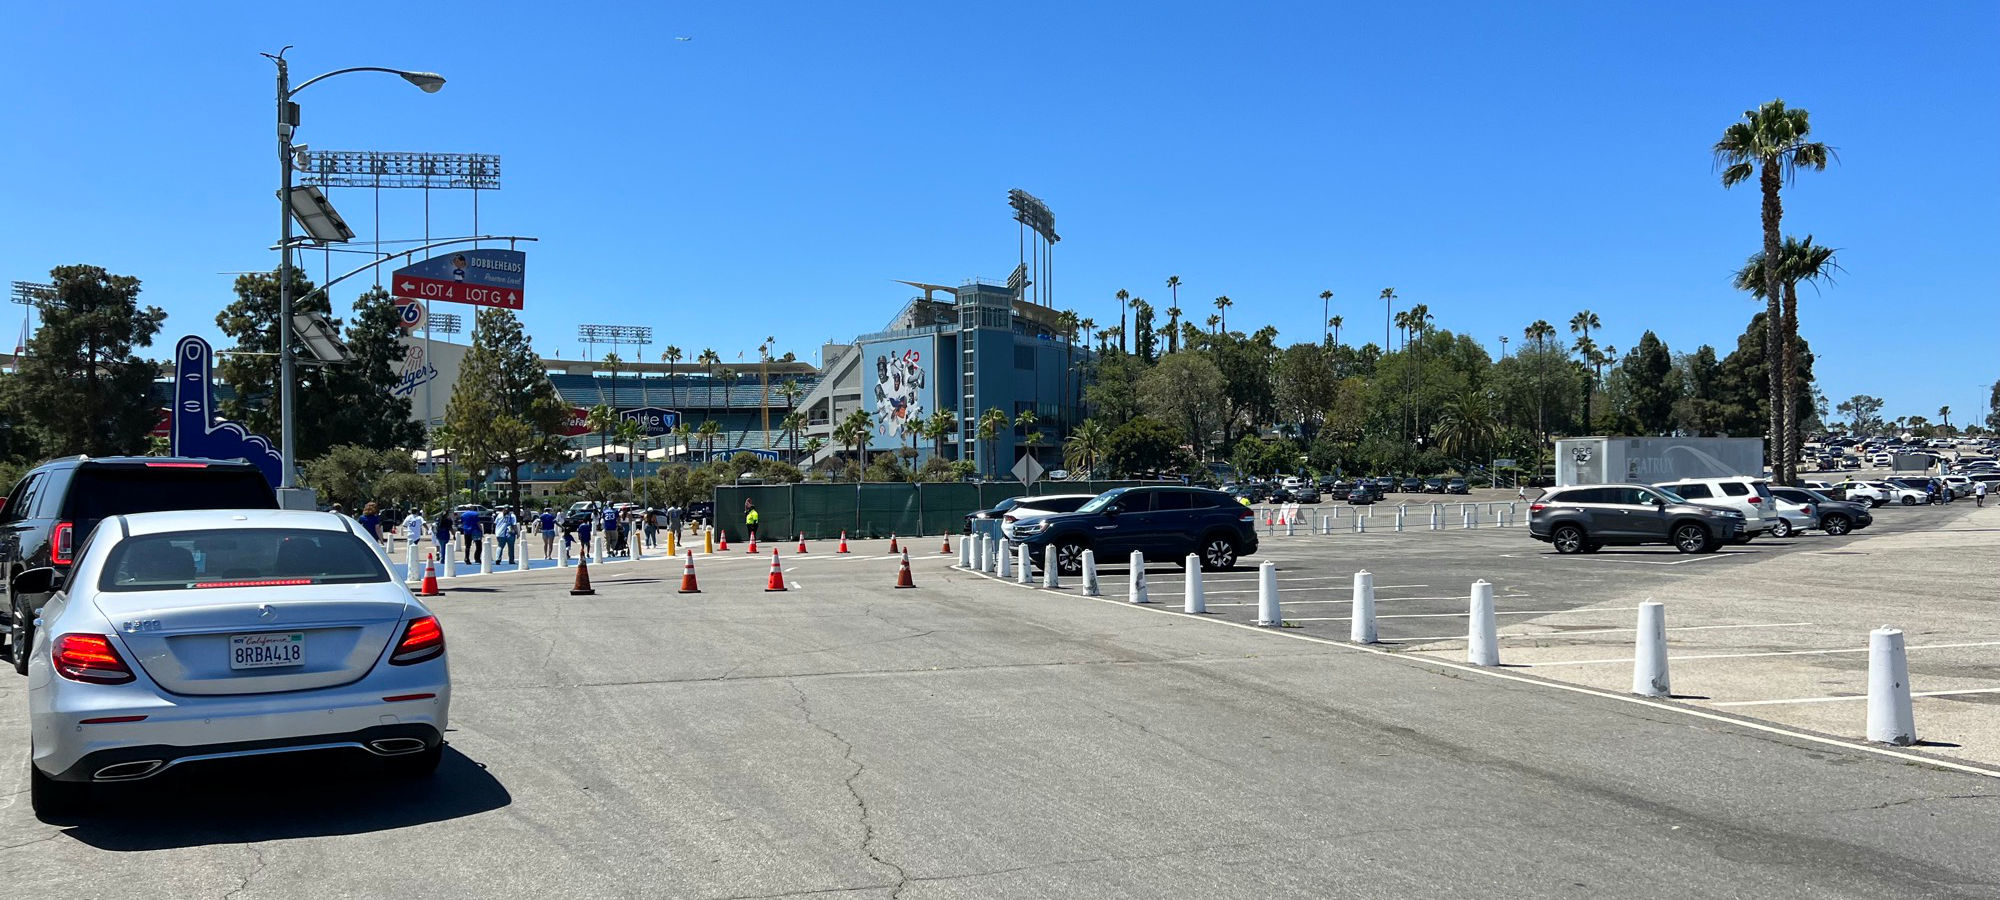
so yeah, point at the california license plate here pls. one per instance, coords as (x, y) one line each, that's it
(267, 651)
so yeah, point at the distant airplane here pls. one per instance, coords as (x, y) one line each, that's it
(683, 38)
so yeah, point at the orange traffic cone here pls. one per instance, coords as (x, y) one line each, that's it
(777, 580)
(892, 543)
(802, 543)
(582, 586)
(688, 585)
(946, 549)
(753, 544)
(722, 540)
(843, 543)
(903, 573)
(430, 586)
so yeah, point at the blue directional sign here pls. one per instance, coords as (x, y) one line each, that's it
(479, 277)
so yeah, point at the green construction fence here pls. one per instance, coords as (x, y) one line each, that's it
(868, 510)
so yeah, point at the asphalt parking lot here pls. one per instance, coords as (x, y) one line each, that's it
(968, 738)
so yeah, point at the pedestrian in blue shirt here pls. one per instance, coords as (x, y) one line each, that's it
(546, 523)
(468, 525)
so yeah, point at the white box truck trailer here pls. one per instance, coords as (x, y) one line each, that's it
(1652, 460)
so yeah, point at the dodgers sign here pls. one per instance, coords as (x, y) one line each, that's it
(479, 277)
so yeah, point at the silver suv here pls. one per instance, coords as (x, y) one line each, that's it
(1586, 518)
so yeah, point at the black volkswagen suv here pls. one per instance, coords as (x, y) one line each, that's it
(1164, 523)
(47, 516)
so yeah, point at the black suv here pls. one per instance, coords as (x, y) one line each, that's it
(1585, 518)
(45, 518)
(1164, 523)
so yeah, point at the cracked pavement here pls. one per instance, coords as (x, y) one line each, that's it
(972, 739)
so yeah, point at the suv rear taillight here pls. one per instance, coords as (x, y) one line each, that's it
(88, 658)
(1537, 507)
(62, 543)
(422, 639)
(1808, 509)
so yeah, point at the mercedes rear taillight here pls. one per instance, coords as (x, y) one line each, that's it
(423, 639)
(89, 658)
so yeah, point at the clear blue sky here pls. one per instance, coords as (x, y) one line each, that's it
(1499, 162)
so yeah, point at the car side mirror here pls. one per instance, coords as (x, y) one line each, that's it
(44, 580)
(1660, 501)
(1111, 512)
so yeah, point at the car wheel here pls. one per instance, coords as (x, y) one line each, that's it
(54, 801)
(1567, 539)
(1069, 558)
(1909, 500)
(1218, 554)
(416, 765)
(1691, 538)
(1836, 525)
(21, 635)
(1781, 529)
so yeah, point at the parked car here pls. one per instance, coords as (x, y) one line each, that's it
(1001, 509)
(1749, 496)
(214, 635)
(1164, 523)
(1457, 486)
(1047, 504)
(1788, 517)
(1306, 493)
(1433, 485)
(1413, 485)
(1820, 486)
(1587, 518)
(54, 508)
(1361, 495)
(1835, 517)
(1281, 495)
(1860, 492)
(485, 514)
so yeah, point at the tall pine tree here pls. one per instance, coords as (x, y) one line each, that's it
(81, 388)
(503, 409)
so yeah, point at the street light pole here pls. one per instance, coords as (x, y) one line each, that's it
(288, 121)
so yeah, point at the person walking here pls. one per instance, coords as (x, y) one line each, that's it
(614, 535)
(1979, 494)
(674, 519)
(475, 536)
(653, 517)
(1521, 493)
(547, 523)
(441, 530)
(413, 527)
(583, 535)
(507, 528)
(371, 520)
(750, 518)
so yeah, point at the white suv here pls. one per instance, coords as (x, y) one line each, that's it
(1749, 496)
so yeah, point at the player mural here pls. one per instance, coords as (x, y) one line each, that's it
(901, 393)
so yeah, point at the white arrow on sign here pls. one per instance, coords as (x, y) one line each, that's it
(1027, 470)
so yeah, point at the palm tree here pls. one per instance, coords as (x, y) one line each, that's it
(1084, 448)
(859, 427)
(792, 424)
(1325, 306)
(672, 356)
(1771, 144)
(1214, 322)
(1466, 427)
(1335, 324)
(629, 433)
(1944, 413)
(681, 434)
(1581, 324)
(1222, 305)
(1087, 324)
(708, 431)
(1388, 303)
(1066, 323)
(728, 383)
(814, 445)
(1114, 333)
(1174, 314)
(1797, 261)
(601, 419)
(1122, 298)
(1540, 332)
(942, 424)
(612, 362)
(991, 423)
(708, 360)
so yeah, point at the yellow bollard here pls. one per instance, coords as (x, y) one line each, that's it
(707, 541)
(670, 543)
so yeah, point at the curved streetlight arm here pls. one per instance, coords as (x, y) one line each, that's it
(405, 74)
(386, 257)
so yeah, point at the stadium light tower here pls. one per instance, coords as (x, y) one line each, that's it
(288, 122)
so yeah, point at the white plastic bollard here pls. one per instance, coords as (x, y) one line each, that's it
(1361, 524)
(965, 553)
(1090, 574)
(1437, 517)
(412, 567)
(1890, 719)
(1003, 564)
(995, 556)
(982, 555)
(1482, 639)
(1649, 659)
(1026, 558)
(1400, 513)
(596, 546)
(450, 563)
(1290, 527)
(1465, 516)
(562, 553)
(1051, 579)
(1193, 600)
(1135, 590)
(1268, 613)
(487, 549)
(1362, 629)
(637, 542)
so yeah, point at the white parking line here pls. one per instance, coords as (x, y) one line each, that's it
(1627, 659)
(1557, 634)
(1854, 697)
(1377, 599)
(1504, 612)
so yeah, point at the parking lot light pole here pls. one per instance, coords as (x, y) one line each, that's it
(288, 121)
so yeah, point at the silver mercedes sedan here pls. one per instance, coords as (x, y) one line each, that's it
(203, 636)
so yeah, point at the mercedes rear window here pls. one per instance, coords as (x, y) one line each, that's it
(100, 492)
(240, 557)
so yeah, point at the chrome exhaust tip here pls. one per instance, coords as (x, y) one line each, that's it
(396, 746)
(128, 771)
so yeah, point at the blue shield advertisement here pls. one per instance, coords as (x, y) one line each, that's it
(898, 389)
